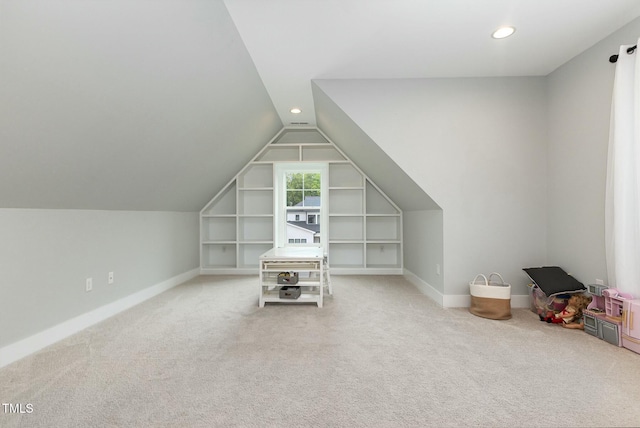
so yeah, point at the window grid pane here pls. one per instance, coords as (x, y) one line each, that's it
(303, 191)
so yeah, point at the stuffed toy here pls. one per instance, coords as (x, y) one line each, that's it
(571, 315)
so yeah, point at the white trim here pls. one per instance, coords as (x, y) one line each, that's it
(38, 341)
(424, 287)
(230, 271)
(521, 301)
(364, 271)
(279, 199)
(334, 271)
(457, 300)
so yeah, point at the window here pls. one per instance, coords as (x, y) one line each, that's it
(297, 240)
(304, 196)
(299, 211)
(303, 189)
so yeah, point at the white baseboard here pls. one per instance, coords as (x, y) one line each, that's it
(365, 271)
(38, 341)
(424, 287)
(520, 301)
(229, 271)
(334, 271)
(457, 300)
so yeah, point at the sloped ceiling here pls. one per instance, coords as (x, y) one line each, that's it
(293, 42)
(156, 104)
(125, 104)
(359, 147)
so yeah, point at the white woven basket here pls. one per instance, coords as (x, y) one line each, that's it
(490, 298)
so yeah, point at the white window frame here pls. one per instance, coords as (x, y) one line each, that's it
(280, 171)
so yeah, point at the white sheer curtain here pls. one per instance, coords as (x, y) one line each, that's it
(622, 207)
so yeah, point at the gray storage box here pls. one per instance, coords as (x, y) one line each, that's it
(289, 292)
(288, 278)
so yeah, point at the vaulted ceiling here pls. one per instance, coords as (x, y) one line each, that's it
(156, 104)
(125, 104)
(295, 41)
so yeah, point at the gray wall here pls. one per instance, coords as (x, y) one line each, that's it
(517, 164)
(422, 218)
(579, 95)
(131, 107)
(477, 147)
(423, 246)
(46, 255)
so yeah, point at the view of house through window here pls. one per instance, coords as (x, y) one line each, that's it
(303, 207)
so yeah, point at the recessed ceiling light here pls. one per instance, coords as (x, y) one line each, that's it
(295, 110)
(503, 32)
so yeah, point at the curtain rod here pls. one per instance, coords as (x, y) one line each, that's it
(614, 58)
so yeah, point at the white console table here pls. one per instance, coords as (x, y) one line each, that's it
(311, 266)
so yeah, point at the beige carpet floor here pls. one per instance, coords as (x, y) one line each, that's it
(379, 354)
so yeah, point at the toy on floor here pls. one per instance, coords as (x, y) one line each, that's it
(571, 315)
(551, 288)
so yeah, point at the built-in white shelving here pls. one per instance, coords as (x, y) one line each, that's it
(364, 225)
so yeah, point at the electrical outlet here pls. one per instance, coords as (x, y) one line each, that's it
(110, 280)
(599, 282)
(438, 269)
(89, 284)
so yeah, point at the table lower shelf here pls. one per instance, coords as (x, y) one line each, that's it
(308, 294)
